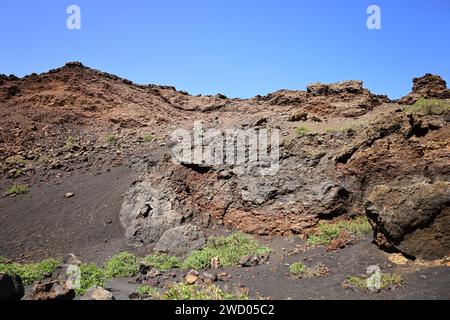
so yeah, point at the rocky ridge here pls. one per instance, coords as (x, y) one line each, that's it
(362, 154)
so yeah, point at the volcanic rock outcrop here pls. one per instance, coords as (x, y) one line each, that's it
(428, 86)
(355, 147)
(414, 219)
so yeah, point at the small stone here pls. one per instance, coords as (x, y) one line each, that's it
(224, 174)
(215, 263)
(209, 278)
(98, 294)
(398, 258)
(192, 277)
(69, 195)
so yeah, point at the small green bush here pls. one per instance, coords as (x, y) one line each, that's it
(91, 275)
(147, 291)
(17, 189)
(302, 131)
(124, 264)
(357, 282)
(229, 249)
(162, 261)
(429, 107)
(388, 281)
(17, 159)
(359, 225)
(297, 269)
(327, 232)
(148, 138)
(30, 272)
(183, 291)
(70, 143)
(111, 139)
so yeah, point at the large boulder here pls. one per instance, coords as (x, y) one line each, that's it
(50, 289)
(60, 285)
(181, 240)
(11, 287)
(147, 213)
(428, 86)
(414, 219)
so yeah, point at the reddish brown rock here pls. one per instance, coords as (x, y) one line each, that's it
(428, 86)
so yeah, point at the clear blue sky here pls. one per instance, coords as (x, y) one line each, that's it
(237, 47)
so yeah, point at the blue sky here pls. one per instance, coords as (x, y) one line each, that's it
(237, 47)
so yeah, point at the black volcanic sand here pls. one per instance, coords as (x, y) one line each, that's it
(44, 224)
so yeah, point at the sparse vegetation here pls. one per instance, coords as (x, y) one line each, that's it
(70, 143)
(29, 272)
(148, 138)
(297, 269)
(357, 282)
(183, 291)
(391, 280)
(124, 264)
(147, 291)
(17, 173)
(388, 281)
(327, 231)
(43, 159)
(17, 189)
(91, 275)
(111, 139)
(162, 261)
(16, 160)
(303, 131)
(229, 250)
(300, 270)
(429, 107)
(358, 225)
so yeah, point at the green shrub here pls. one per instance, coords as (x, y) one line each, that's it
(15, 160)
(183, 291)
(162, 261)
(91, 275)
(388, 281)
(111, 139)
(147, 291)
(357, 282)
(30, 272)
(148, 138)
(359, 225)
(16, 189)
(297, 269)
(327, 232)
(123, 264)
(429, 107)
(70, 143)
(302, 131)
(229, 249)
